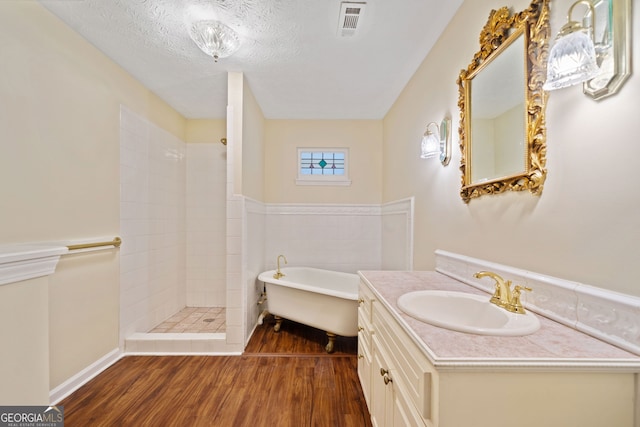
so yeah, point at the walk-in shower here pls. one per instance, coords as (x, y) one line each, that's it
(173, 227)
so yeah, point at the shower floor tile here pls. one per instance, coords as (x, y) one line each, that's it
(194, 319)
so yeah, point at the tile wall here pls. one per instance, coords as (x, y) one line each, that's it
(237, 254)
(170, 252)
(397, 235)
(334, 237)
(254, 242)
(206, 225)
(152, 223)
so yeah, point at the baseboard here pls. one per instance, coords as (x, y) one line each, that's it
(84, 376)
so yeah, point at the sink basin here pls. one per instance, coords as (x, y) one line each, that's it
(463, 312)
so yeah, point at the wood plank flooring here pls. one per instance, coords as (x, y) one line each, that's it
(283, 379)
(295, 338)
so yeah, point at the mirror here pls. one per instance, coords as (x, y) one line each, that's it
(498, 120)
(502, 103)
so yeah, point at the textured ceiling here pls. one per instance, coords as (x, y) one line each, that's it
(296, 64)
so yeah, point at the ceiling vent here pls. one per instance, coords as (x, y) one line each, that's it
(350, 18)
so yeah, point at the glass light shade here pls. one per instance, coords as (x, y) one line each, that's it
(572, 60)
(214, 38)
(430, 146)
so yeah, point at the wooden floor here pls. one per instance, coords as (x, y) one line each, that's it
(283, 379)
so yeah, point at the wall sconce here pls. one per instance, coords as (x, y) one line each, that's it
(595, 51)
(438, 143)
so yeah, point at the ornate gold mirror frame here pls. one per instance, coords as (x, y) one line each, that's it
(534, 23)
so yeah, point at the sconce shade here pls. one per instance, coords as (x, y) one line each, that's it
(572, 58)
(214, 38)
(430, 146)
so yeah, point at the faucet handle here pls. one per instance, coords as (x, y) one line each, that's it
(516, 304)
(495, 298)
(520, 288)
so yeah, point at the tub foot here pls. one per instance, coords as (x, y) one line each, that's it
(264, 314)
(276, 327)
(332, 340)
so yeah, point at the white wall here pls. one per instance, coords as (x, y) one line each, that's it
(206, 215)
(397, 235)
(340, 237)
(334, 237)
(173, 223)
(236, 266)
(152, 224)
(254, 241)
(586, 224)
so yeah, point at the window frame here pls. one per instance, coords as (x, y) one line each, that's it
(303, 179)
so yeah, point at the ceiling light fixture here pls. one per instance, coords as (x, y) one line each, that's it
(214, 38)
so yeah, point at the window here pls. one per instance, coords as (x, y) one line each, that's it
(323, 166)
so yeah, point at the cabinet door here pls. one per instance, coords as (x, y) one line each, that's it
(404, 414)
(381, 393)
(364, 342)
(389, 405)
(364, 366)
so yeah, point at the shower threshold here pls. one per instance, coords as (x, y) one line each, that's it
(193, 330)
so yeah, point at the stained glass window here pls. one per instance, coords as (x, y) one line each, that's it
(323, 165)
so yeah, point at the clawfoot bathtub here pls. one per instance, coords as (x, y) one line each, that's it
(323, 299)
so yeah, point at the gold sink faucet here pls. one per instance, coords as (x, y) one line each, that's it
(279, 274)
(502, 296)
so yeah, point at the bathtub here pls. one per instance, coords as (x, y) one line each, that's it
(323, 299)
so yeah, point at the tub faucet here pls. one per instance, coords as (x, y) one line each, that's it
(279, 274)
(502, 296)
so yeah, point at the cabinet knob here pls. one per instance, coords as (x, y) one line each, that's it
(360, 301)
(387, 379)
(360, 356)
(383, 372)
(360, 328)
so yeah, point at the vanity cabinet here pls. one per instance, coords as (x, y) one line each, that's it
(406, 384)
(395, 375)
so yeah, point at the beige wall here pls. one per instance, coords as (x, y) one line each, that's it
(247, 132)
(59, 133)
(205, 130)
(24, 359)
(84, 308)
(235, 85)
(586, 224)
(60, 128)
(362, 137)
(253, 124)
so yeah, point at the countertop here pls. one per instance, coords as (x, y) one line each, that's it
(553, 346)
